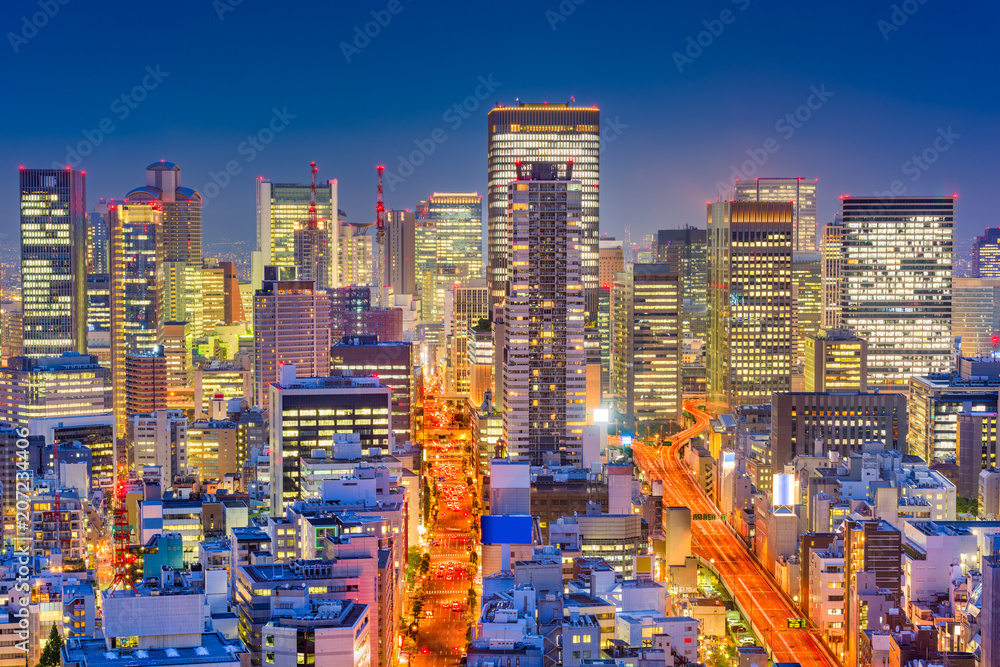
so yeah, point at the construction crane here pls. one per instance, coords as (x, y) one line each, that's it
(313, 221)
(123, 558)
(380, 239)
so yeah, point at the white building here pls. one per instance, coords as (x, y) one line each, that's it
(160, 439)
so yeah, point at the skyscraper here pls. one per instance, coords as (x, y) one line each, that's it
(291, 326)
(750, 306)
(97, 238)
(180, 212)
(807, 299)
(683, 250)
(136, 257)
(800, 191)
(554, 132)
(833, 262)
(448, 247)
(986, 254)
(544, 365)
(897, 281)
(465, 305)
(646, 344)
(53, 261)
(281, 209)
(400, 251)
(976, 314)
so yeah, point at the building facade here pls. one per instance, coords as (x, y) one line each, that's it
(646, 344)
(800, 191)
(53, 261)
(544, 364)
(897, 284)
(750, 307)
(555, 132)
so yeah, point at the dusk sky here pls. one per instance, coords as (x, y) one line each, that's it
(887, 81)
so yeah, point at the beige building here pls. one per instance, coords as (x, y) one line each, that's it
(836, 360)
(211, 449)
(291, 326)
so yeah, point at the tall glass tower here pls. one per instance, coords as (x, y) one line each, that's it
(283, 208)
(897, 281)
(448, 247)
(53, 261)
(750, 307)
(552, 133)
(800, 191)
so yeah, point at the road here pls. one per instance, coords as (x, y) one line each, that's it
(757, 593)
(441, 640)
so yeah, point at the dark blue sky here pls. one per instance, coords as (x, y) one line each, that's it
(890, 95)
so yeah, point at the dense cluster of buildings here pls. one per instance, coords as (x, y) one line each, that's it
(205, 471)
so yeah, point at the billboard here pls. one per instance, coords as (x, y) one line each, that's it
(728, 458)
(784, 493)
(601, 416)
(506, 528)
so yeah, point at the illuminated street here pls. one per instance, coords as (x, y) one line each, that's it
(451, 541)
(757, 593)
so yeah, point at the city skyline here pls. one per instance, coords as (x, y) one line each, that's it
(863, 130)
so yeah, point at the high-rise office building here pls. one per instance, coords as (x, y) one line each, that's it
(394, 364)
(99, 316)
(611, 261)
(400, 252)
(833, 261)
(553, 132)
(53, 261)
(356, 254)
(684, 251)
(136, 256)
(281, 209)
(98, 237)
(145, 382)
(986, 254)
(815, 423)
(646, 344)
(465, 305)
(306, 412)
(213, 294)
(544, 365)
(800, 191)
(807, 297)
(836, 360)
(975, 305)
(448, 247)
(52, 388)
(750, 306)
(180, 227)
(897, 283)
(291, 326)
